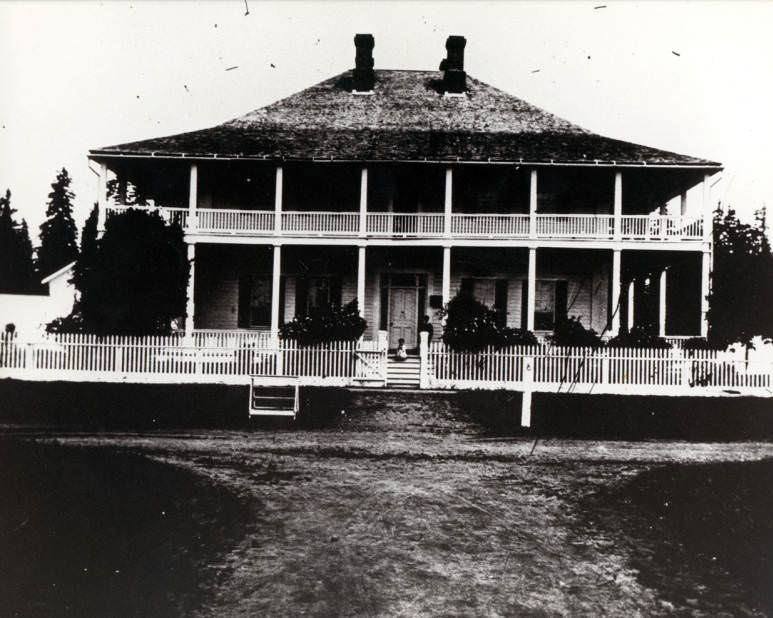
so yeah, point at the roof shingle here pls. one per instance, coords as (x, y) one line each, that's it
(407, 118)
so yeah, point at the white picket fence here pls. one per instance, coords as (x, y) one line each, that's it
(233, 356)
(602, 370)
(207, 356)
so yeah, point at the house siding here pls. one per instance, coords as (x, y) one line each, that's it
(217, 294)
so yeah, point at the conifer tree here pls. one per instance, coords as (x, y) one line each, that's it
(16, 266)
(88, 253)
(58, 245)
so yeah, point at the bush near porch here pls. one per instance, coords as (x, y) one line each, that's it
(325, 324)
(471, 326)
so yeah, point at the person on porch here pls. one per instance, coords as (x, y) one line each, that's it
(426, 327)
(401, 353)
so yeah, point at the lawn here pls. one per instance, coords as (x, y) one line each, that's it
(392, 506)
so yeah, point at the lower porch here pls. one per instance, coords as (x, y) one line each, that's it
(248, 288)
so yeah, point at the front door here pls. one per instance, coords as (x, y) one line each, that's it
(402, 317)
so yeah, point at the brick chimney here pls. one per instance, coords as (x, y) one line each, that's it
(454, 77)
(363, 77)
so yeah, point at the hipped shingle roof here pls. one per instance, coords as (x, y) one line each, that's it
(407, 118)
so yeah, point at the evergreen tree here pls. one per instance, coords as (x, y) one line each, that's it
(742, 281)
(16, 267)
(133, 281)
(87, 257)
(58, 245)
(28, 281)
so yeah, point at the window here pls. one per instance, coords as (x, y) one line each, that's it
(490, 292)
(544, 305)
(316, 292)
(550, 304)
(254, 302)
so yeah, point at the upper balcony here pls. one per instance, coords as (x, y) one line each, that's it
(415, 202)
(230, 222)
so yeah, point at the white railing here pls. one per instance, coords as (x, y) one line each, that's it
(661, 227)
(216, 220)
(489, 225)
(575, 226)
(208, 356)
(404, 224)
(168, 214)
(312, 222)
(432, 225)
(602, 370)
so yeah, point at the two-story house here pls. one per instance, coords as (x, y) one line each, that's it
(402, 188)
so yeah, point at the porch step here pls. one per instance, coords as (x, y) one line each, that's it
(403, 373)
(273, 400)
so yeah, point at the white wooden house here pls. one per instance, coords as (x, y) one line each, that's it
(400, 188)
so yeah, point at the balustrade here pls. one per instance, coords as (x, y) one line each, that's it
(430, 225)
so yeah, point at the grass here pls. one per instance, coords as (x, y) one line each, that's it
(406, 506)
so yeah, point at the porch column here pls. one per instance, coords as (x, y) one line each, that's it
(275, 289)
(618, 204)
(361, 279)
(190, 305)
(102, 198)
(446, 290)
(533, 204)
(631, 304)
(614, 329)
(363, 201)
(531, 289)
(278, 201)
(662, 304)
(448, 202)
(683, 203)
(705, 288)
(706, 208)
(193, 197)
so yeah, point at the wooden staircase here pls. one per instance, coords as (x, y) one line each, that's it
(273, 400)
(405, 373)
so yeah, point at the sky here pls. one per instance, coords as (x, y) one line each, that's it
(689, 77)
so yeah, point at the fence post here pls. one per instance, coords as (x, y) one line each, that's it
(424, 359)
(118, 361)
(277, 343)
(686, 367)
(383, 346)
(528, 381)
(605, 361)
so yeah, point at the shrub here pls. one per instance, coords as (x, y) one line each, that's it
(639, 337)
(470, 325)
(697, 343)
(571, 332)
(328, 323)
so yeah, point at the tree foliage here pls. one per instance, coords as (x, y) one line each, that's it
(58, 245)
(133, 280)
(571, 332)
(17, 273)
(640, 336)
(470, 325)
(742, 281)
(88, 254)
(327, 323)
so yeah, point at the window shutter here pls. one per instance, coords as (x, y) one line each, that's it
(245, 290)
(524, 302)
(500, 301)
(282, 292)
(335, 292)
(561, 301)
(301, 293)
